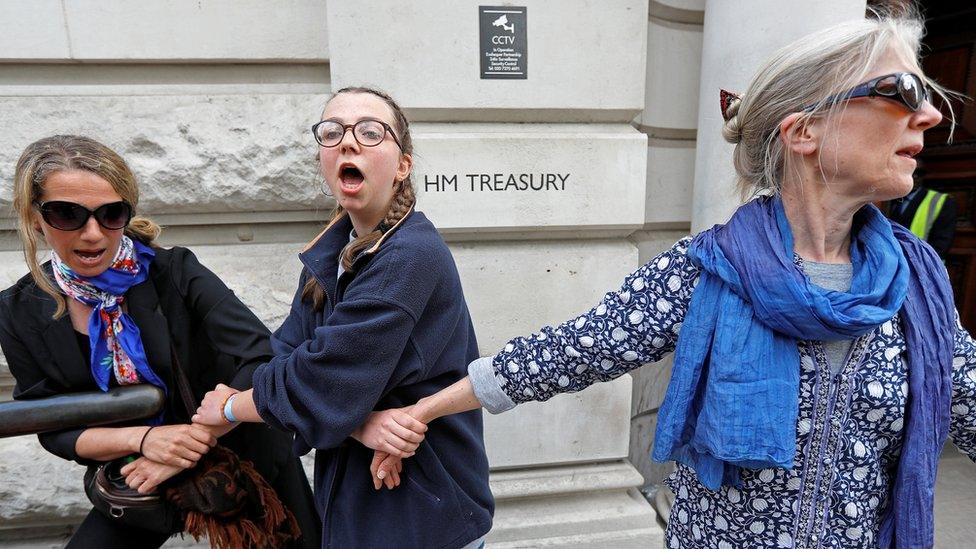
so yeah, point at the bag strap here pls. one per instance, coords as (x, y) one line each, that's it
(182, 383)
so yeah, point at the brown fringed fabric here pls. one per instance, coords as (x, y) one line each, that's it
(225, 499)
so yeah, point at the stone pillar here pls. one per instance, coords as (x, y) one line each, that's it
(739, 37)
(536, 183)
(669, 119)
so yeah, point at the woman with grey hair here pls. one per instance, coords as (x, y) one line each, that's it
(820, 365)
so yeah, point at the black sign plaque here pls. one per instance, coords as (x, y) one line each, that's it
(504, 46)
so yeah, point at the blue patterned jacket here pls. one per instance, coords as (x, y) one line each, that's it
(849, 427)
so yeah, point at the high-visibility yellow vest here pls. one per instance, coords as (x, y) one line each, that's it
(926, 213)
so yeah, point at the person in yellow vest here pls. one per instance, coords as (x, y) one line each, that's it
(929, 214)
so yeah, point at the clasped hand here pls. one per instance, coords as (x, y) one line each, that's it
(177, 445)
(169, 449)
(393, 435)
(211, 410)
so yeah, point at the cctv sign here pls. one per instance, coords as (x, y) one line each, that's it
(503, 42)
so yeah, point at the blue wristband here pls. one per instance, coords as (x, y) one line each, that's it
(229, 409)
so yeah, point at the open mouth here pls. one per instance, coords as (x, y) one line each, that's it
(89, 257)
(350, 178)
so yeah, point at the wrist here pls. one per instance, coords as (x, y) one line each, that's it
(134, 439)
(424, 410)
(227, 410)
(220, 430)
(357, 434)
(142, 441)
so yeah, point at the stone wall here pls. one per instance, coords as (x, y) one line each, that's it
(211, 104)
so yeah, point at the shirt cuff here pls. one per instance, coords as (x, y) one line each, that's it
(486, 387)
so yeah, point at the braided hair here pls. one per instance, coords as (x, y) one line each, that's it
(403, 199)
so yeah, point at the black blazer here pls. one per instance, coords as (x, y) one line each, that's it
(216, 338)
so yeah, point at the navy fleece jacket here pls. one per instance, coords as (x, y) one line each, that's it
(395, 328)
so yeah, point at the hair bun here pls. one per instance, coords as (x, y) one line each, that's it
(143, 229)
(729, 103)
(732, 130)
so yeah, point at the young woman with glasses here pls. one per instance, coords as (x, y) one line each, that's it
(819, 366)
(113, 308)
(379, 320)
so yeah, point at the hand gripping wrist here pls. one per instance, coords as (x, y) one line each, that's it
(228, 409)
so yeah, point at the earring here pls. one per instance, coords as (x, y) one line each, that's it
(326, 190)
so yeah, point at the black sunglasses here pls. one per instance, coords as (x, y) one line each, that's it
(68, 216)
(904, 87)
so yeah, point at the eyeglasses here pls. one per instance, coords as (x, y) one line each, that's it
(368, 132)
(904, 87)
(68, 216)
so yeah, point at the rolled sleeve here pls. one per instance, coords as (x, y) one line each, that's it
(486, 387)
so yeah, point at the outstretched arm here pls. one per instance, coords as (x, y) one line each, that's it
(454, 399)
(176, 445)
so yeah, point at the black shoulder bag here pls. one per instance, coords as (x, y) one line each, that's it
(106, 488)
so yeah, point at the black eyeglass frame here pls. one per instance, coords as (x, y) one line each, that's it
(44, 209)
(870, 89)
(345, 127)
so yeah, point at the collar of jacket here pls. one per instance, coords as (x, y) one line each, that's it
(321, 255)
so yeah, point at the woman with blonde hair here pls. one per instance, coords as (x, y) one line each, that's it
(113, 308)
(819, 364)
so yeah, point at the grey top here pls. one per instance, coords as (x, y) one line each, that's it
(837, 277)
(830, 276)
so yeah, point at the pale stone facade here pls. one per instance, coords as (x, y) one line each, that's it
(211, 103)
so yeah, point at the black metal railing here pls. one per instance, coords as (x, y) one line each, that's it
(89, 409)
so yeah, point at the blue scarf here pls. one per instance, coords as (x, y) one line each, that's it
(116, 346)
(734, 393)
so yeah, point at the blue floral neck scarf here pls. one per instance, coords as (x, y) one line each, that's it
(116, 347)
(734, 392)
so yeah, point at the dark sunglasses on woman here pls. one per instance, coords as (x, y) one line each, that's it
(904, 87)
(68, 216)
